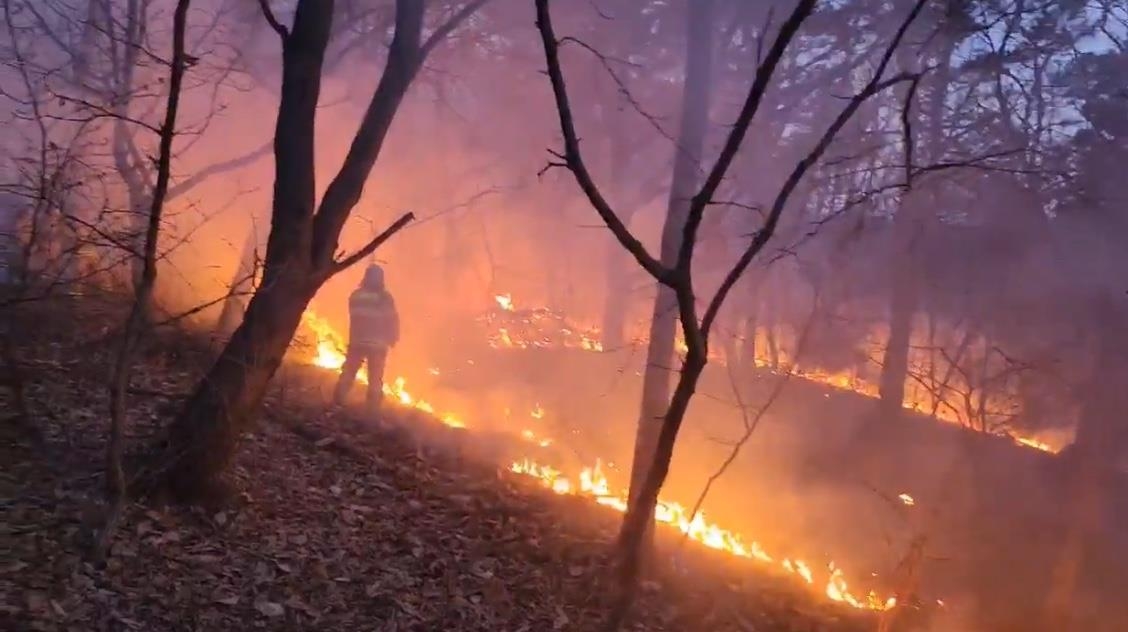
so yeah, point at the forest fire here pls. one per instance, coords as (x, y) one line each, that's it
(539, 327)
(330, 355)
(511, 327)
(592, 483)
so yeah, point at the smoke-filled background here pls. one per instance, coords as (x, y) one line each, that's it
(939, 313)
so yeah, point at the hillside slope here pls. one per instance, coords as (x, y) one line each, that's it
(339, 525)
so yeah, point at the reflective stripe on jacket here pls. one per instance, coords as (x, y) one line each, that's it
(373, 319)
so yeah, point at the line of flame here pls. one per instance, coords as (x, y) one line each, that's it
(588, 340)
(593, 484)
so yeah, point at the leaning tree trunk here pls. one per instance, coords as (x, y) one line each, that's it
(206, 434)
(302, 247)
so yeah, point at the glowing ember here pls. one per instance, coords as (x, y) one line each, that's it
(504, 301)
(539, 327)
(1034, 443)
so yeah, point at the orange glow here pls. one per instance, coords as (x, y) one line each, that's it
(545, 333)
(504, 301)
(591, 483)
(543, 328)
(330, 354)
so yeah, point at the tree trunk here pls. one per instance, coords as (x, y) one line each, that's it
(302, 247)
(902, 306)
(618, 264)
(1090, 463)
(205, 436)
(747, 353)
(905, 291)
(687, 163)
(138, 313)
(769, 315)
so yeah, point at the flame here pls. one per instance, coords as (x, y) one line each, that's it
(330, 355)
(539, 327)
(593, 484)
(546, 332)
(504, 301)
(1031, 442)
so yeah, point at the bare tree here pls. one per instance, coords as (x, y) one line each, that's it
(143, 290)
(102, 65)
(678, 277)
(301, 251)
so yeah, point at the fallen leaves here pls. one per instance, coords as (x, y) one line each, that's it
(339, 529)
(270, 609)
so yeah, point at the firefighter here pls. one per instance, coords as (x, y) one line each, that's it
(373, 330)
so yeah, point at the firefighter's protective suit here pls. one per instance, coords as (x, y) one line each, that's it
(373, 330)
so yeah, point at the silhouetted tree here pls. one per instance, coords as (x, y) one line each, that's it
(301, 251)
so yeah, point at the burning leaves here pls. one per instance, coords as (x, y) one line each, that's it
(330, 355)
(509, 327)
(592, 483)
(539, 327)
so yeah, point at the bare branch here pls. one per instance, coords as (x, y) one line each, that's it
(371, 247)
(907, 130)
(764, 73)
(446, 28)
(875, 86)
(218, 168)
(574, 160)
(752, 422)
(278, 27)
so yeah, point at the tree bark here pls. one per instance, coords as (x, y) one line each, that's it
(903, 301)
(686, 176)
(301, 249)
(205, 437)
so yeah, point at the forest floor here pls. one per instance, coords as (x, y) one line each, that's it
(340, 524)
